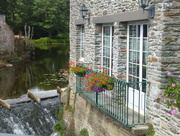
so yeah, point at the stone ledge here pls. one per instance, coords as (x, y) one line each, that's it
(139, 130)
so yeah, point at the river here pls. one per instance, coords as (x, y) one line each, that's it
(38, 74)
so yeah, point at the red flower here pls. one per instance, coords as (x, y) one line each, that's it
(92, 75)
(96, 79)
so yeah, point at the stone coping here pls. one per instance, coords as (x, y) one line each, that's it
(3, 134)
(41, 94)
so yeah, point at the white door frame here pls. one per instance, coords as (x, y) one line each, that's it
(136, 98)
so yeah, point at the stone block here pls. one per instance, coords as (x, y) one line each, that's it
(140, 130)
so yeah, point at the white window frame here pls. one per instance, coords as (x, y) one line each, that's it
(82, 43)
(111, 48)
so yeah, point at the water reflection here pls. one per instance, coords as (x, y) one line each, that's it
(38, 74)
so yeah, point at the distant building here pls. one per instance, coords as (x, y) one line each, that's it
(133, 46)
(6, 37)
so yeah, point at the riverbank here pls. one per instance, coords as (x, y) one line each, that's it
(4, 64)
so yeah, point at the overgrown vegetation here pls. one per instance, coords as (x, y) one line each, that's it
(59, 126)
(151, 131)
(48, 41)
(12, 58)
(84, 132)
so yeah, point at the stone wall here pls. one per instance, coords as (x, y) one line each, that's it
(6, 37)
(163, 47)
(97, 122)
(164, 56)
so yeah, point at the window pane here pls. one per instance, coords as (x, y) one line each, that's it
(145, 58)
(82, 42)
(144, 72)
(144, 30)
(138, 56)
(107, 47)
(132, 31)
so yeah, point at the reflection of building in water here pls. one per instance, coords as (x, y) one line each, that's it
(7, 81)
(6, 36)
(15, 81)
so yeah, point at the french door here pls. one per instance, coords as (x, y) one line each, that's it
(137, 56)
(107, 45)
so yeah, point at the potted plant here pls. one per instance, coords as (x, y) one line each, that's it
(99, 82)
(77, 69)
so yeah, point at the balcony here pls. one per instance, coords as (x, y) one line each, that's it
(125, 102)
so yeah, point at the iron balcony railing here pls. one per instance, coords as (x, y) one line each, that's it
(125, 102)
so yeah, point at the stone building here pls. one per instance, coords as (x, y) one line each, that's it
(134, 45)
(6, 37)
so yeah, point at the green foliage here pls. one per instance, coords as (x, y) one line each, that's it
(52, 15)
(49, 17)
(43, 41)
(70, 108)
(151, 131)
(3, 9)
(12, 59)
(76, 69)
(84, 132)
(48, 41)
(59, 126)
(99, 82)
(171, 93)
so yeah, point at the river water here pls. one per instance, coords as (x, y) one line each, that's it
(39, 74)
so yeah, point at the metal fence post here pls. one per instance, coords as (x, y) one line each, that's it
(96, 98)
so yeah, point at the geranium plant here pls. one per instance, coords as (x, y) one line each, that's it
(75, 68)
(99, 82)
(171, 94)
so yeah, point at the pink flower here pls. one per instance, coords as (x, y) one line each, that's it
(156, 96)
(179, 76)
(169, 73)
(173, 85)
(175, 101)
(173, 112)
(162, 94)
(166, 113)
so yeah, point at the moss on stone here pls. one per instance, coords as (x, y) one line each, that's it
(151, 131)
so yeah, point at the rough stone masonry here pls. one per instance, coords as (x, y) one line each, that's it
(163, 49)
(6, 37)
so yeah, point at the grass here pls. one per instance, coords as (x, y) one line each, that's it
(59, 126)
(48, 41)
(84, 132)
(151, 131)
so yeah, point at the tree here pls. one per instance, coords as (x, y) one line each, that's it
(3, 9)
(52, 15)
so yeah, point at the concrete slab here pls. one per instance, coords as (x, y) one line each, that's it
(3, 134)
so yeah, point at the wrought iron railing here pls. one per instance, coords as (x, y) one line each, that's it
(125, 102)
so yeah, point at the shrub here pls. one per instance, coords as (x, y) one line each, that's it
(84, 132)
(171, 94)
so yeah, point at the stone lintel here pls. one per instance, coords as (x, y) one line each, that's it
(79, 21)
(122, 17)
